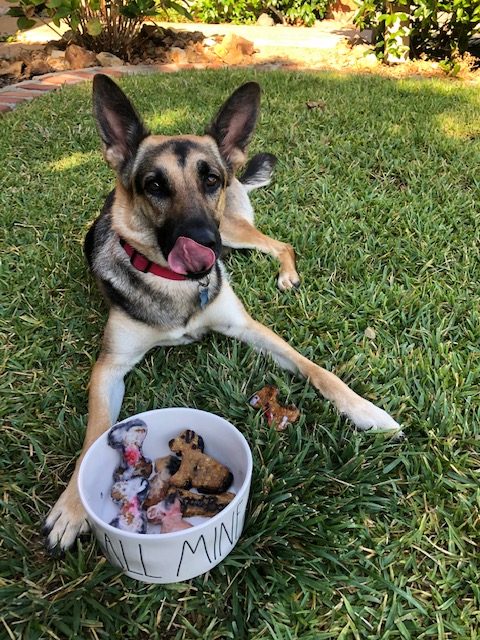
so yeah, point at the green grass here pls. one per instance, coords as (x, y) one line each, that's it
(348, 535)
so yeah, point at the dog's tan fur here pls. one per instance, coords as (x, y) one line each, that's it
(127, 339)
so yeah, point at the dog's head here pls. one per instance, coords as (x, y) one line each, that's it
(171, 190)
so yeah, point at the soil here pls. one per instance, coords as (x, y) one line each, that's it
(162, 44)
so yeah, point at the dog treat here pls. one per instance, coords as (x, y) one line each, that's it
(129, 494)
(163, 498)
(198, 504)
(197, 469)
(277, 415)
(168, 514)
(165, 467)
(128, 437)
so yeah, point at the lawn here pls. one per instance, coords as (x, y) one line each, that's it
(348, 535)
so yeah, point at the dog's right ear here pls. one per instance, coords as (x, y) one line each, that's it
(118, 124)
(234, 124)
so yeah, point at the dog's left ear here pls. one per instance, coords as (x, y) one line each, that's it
(118, 124)
(234, 124)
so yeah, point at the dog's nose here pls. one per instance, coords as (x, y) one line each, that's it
(203, 235)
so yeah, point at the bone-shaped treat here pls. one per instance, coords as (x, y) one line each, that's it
(168, 514)
(164, 467)
(129, 495)
(198, 504)
(197, 469)
(128, 437)
(277, 415)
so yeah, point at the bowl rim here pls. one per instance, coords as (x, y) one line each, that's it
(174, 534)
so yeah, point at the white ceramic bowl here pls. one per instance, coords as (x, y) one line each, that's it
(181, 555)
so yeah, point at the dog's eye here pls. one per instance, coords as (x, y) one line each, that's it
(157, 186)
(153, 186)
(212, 180)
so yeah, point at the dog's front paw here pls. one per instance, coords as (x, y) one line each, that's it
(288, 280)
(65, 522)
(368, 417)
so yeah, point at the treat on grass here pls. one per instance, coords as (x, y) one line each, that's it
(198, 504)
(197, 469)
(129, 495)
(128, 437)
(168, 514)
(164, 469)
(277, 415)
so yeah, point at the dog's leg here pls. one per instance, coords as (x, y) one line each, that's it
(238, 233)
(125, 343)
(228, 316)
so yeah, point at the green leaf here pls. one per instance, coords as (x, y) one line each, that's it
(25, 23)
(180, 9)
(62, 12)
(94, 27)
(130, 10)
(54, 4)
(15, 12)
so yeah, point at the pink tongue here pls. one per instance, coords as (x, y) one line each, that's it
(188, 256)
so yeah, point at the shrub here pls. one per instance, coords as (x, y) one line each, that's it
(99, 25)
(441, 29)
(247, 11)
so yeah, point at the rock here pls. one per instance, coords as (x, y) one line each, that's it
(37, 67)
(67, 38)
(106, 59)
(57, 63)
(180, 43)
(264, 20)
(371, 60)
(159, 52)
(14, 51)
(57, 54)
(187, 37)
(360, 51)
(234, 48)
(149, 49)
(367, 36)
(14, 69)
(196, 52)
(56, 60)
(209, 42)
(151, 31)
(177, 55)
(78, 57)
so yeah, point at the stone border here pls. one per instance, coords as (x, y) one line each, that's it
(15, 94)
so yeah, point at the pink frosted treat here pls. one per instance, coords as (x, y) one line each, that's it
(130, 494)
(128, 437)
(168, 514)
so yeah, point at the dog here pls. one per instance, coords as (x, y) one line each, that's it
(156, 249)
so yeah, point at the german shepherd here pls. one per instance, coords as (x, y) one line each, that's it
(156, 249)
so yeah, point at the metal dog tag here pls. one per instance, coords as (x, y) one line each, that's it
(203, 292)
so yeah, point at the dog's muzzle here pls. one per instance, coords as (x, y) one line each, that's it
(191, 248)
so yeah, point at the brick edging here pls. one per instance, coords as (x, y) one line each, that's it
(15, 94)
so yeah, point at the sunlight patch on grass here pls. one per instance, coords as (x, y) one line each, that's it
(167, 121)
(72, 161)
(458, 127)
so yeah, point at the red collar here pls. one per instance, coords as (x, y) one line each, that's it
(143, 264)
